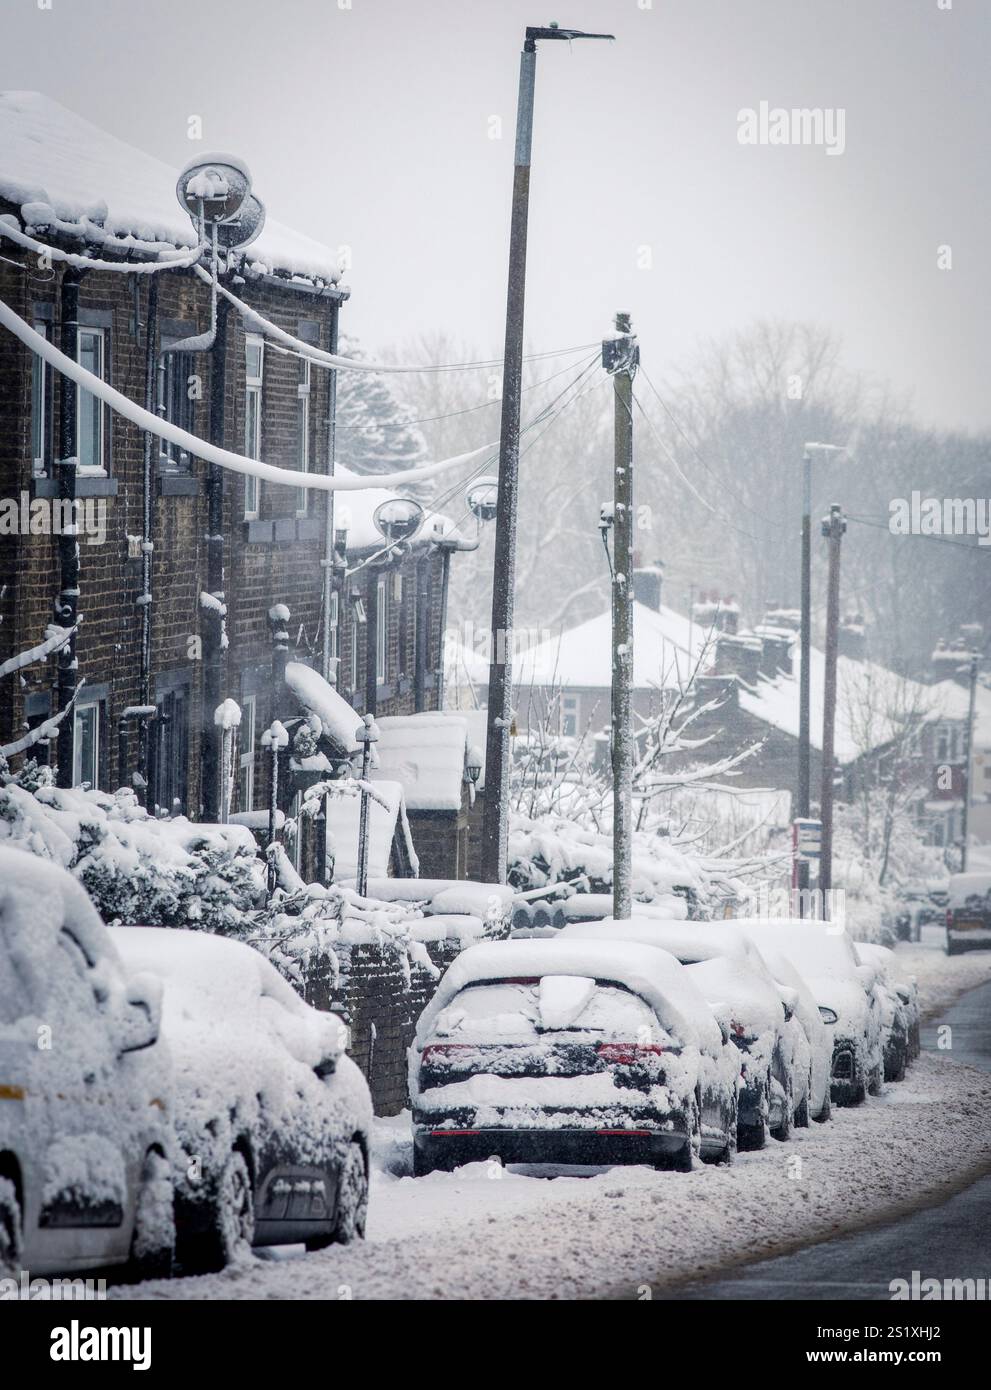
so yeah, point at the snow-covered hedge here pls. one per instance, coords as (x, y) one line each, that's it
(168, 873)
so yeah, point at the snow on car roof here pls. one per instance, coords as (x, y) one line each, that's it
(970, 885)
(654, 975)
(821, 946)
(96, 183)
(38, 899)
(212, 982)
(694, 941)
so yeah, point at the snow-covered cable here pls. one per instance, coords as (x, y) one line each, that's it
(182, 261)
(201, 448)
(258, 323)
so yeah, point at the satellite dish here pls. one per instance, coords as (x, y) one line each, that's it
(236, 235)
(217, 185)
(399, 519)
(482, 499)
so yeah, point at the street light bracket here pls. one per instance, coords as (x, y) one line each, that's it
(554, 32)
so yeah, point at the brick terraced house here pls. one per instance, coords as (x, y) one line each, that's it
(164, 636)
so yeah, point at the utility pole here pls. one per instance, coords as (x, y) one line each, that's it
(968, 761)
(832, 528)
(620, 357)
(804, 674)
(495, 823)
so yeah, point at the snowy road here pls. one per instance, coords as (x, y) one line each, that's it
(483, 1232)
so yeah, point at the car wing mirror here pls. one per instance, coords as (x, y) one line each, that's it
(828, 1015)
(789, 1001)
(142, 1014)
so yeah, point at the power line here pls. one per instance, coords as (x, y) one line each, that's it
(975, 548)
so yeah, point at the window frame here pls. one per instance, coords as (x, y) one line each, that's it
(180, 409)
(381, 631)
(92, 470)
(96, 707)
(41, 401)
(246, 752)
(303, 392)
(254, 385)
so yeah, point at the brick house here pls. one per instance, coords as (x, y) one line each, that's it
(154, 652)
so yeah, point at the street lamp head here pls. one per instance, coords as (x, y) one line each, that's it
(399, 519)
(482, 499)
(554, 31)
(813, 448)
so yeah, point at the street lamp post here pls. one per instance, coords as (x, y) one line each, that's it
(804, 675)
(495, 824)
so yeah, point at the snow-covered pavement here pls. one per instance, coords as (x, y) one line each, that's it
(482, 1232)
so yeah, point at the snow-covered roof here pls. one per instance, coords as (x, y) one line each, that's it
(340, 722)
(871, 702)
(652, 974)
(55, 162)
(951, 701)
(666, 646)
(426, 753)
(384, 820)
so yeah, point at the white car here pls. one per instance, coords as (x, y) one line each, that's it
(272, 1118)
(579, 1052)
(85, 1172)
(757, 1010)
(845, 989)
(900, 1020)
(819, 1039)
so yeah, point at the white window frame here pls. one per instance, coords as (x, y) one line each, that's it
(381, 632)
(253, 387)
(246, 760)
(93, 707)
(95, 470)
(303, 422)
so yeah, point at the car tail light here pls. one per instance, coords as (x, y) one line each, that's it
(949, 918)
(627, 1054)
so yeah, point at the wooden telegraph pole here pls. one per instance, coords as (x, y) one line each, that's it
(620, 357)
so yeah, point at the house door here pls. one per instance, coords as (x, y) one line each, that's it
(170, 736)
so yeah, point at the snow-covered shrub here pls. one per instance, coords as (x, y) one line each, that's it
(168, 873)
(877, 853)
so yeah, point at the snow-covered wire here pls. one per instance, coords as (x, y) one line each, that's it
(201, 448)
(258, 323)
(181, 261)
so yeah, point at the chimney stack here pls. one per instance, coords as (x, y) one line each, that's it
(647, 581)
(851, 639)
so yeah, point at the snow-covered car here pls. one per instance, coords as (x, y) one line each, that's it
(968, 913)
(900, 1020)
(845, 989)
(577, 1052)
(819, 1039)
(272, 1118)
(757, 1010)
(85, 1176)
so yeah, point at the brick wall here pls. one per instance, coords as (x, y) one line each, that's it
(384, 996)
(258, 573)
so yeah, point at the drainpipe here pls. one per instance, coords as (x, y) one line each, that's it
(328, 534)
(422, 634)
(213, 618)
(67, 603)
(144, 730)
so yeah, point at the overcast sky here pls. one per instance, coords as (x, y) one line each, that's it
(370, 126)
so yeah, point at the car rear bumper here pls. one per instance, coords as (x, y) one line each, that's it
(449, 1148)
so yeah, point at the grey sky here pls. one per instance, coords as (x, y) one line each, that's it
(369, 126)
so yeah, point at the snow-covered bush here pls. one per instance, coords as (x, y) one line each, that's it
(876, 854)
(136, 869)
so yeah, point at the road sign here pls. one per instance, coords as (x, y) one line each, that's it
(806, 838)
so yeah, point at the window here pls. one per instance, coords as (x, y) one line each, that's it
(89, 411)
(254, 352)
(382, 632)
(334, 624)
(355, 629)
(170, 752)
(569, 716)
(947, 742)
(86, 746)
(303, 434)
(246, 779)
(180, 407)
(41, 401)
